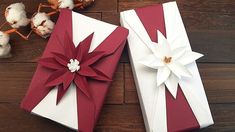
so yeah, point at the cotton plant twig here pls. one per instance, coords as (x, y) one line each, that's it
(3, 25)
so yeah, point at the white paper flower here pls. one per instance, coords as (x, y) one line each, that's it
(170, 62)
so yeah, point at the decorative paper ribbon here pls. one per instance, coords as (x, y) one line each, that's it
(63, 75)
(168, 113)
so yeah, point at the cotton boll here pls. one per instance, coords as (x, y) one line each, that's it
(15, 15)
(47, 28)
(5, 51)
(5, 47)
(17, 6)
(38, 18)
(66, 4)
(42, 24)
(4, 38)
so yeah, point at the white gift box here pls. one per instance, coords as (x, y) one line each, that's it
(152, 97)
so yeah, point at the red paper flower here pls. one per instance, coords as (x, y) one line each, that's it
(74, 65)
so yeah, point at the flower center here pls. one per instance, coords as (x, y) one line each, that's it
(167, 59)
(73, 65)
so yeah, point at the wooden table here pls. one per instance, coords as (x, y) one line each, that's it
(211, 28)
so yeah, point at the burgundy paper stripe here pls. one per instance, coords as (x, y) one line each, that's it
(179, 114)
(36, 91)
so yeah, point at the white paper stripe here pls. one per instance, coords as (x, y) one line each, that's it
(192, 87)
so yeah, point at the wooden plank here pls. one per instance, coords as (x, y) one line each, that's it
(224, 118)
(116, 90)
(111, 17)
(208, 21)
(127, 5)
(103, 6)
(192, 20)
(130, 89)
(215, 45)
(16, 77)
(114, 118)
(218, 80)
(225, 6)
(121, 118)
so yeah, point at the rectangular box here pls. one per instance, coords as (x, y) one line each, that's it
(76, 110)
(189, 110)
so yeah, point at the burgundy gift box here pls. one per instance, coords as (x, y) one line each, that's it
(75, 71)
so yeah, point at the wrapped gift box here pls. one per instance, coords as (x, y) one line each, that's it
(73, 93)
(169, 102)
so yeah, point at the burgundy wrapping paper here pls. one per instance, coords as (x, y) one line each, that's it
(179, 114)
(112, 45)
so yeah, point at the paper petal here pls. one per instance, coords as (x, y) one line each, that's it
(85, 46)
(189, 57)
(162, 75)
(60, 58)
(178, 52)
(93, 57)
(101, 76)
(87, 71)
(152, 61)
(69, 46)
(179, 70)
(82, 84)
(68, 79)
(60, 93)
(172, 84)
(50, 63)
(56, 78)
(163, 48)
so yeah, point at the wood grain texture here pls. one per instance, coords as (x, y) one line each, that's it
(225, 6)
(113, 118)
(210, 25)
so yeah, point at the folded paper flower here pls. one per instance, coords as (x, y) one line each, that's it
(73, 66)
(75, 71)
(169, 62)
(168, 83)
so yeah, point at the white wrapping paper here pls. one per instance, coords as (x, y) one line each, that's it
(152, 98)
